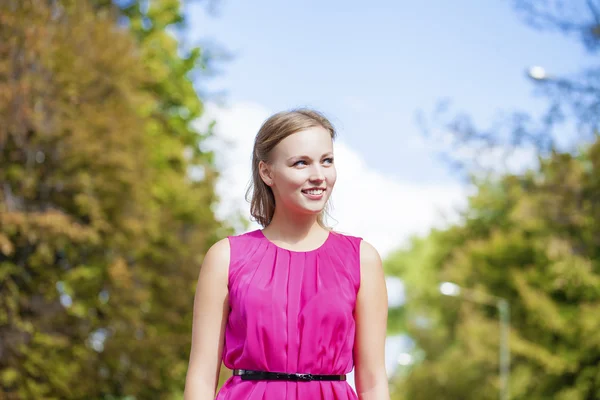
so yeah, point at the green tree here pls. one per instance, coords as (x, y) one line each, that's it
(102, 226)
(533, 240)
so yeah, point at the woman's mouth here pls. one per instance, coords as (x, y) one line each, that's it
(314, 194)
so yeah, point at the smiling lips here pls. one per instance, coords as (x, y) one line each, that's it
(314, 193)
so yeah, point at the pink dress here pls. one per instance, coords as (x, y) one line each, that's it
(291, 312)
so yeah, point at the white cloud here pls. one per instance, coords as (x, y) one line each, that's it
(383, 210)
(366, 203)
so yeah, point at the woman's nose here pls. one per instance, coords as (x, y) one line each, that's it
(317, 174)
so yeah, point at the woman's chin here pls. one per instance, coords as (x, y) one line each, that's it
(308, 208)
(312, 210)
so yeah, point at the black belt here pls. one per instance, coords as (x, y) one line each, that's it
(248, 375)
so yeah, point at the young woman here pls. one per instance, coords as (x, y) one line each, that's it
(293, 307)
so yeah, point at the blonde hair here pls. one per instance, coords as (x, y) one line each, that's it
(274, 130)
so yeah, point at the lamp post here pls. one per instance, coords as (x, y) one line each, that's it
(452, 289)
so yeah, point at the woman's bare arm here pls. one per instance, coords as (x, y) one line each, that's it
(371, 325)
(211, 309)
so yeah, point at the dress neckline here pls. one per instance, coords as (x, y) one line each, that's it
(321, 246)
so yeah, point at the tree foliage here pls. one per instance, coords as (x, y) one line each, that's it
(534, 240)
(102, 226)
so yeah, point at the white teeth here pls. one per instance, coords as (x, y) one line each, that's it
(314, 192)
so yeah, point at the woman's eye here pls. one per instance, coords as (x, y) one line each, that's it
(328, 160)
(300, 162)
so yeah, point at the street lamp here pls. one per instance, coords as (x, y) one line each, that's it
(540, 75)
(537, 73)
(452, 289)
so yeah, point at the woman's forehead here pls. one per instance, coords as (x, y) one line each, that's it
(313, 141)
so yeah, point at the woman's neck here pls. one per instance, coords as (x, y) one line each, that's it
(293, 228)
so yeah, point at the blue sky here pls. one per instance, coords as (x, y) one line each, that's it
(372, 66)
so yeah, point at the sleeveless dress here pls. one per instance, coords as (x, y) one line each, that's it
(291, 312)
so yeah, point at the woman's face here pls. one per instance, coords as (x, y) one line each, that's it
(301, 172)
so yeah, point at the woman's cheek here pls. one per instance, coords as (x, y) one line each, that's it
(332, 177)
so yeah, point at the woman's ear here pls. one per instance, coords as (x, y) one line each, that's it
(266, 173)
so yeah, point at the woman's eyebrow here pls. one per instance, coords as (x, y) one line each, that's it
(298, 157)
(305, 157)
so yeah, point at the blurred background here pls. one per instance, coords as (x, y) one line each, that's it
(468, 154)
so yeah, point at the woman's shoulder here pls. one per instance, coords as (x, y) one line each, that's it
(345, 237)
(218, 251)
(245, 243)
(367, 250)
(246, 237)
(216, 261)
(226, 248)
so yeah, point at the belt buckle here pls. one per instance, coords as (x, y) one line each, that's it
(304, 377)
